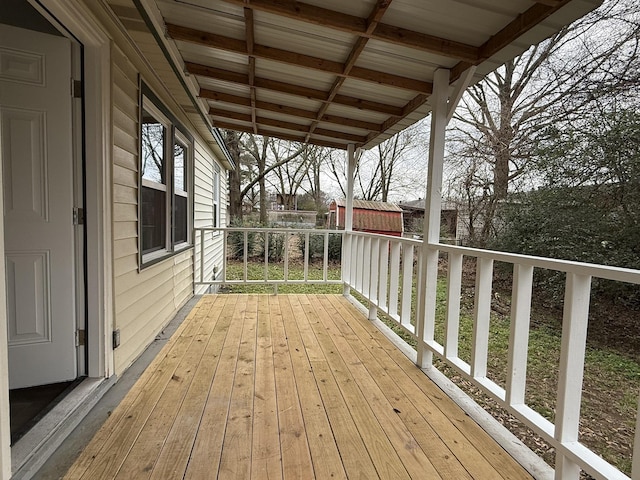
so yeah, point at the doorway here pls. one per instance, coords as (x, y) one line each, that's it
(40, 133)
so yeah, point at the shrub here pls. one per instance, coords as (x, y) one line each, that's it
(235, 240)
(276, 245)
(316, 246)
(583, 224)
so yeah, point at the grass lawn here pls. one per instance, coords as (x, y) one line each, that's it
(611, 379)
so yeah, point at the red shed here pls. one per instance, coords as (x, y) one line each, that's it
(373, 217)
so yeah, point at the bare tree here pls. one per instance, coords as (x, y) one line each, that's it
(317, 161)
(394, 166)
(287, 177)
(502, 120)
(255, 158)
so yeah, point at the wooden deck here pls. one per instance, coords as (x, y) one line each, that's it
(288, 386)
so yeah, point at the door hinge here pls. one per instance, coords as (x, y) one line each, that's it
(78, 216)
(76, 88)
(80, 338)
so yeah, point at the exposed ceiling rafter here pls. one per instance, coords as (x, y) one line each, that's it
(372, 22)
(260, 72)
(265, 52)
(287, 110)
(361, 26)
(291, 89)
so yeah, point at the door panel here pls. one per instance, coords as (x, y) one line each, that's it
(37, 162)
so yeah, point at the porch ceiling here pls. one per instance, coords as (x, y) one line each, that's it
(335, 72)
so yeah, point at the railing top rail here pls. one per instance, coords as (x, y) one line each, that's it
(581, 268)
(406, 240)
(312, 231)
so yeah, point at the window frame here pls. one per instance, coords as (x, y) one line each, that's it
(180, 138)
(215, 198)
(174, 133)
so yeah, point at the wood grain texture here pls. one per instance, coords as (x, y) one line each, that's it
(289, 386)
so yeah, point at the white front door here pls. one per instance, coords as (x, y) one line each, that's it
(37, 162)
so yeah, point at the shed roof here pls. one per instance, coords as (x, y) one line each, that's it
(335, 72)
(370, 205)
(370, 216)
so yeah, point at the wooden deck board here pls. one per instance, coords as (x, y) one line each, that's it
(278, 387)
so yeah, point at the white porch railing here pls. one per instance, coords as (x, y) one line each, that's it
(270, 246)
(380, 268)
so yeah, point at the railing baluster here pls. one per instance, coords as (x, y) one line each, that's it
(394, 274)
(452, 321)
(481, 317)
(366, 263)
(325, 258)
(519, 335)
(306, 257)
(574, 338)
(374, 279)
(425, 323)
(375, 270)
(286, 257)
(345, 262)
(266, 256)
(384, 274)
(225, 253)
(407, 285)
(360, 263)
(354, 259)
(202, 256)
(635, 468)
(245, 253)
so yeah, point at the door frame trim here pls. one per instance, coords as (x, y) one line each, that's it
(78, 20)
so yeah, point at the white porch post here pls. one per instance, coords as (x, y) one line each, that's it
(348, 220)
(428, 273)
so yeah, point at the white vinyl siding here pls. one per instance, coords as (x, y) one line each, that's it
(145, 301)
(204, 169)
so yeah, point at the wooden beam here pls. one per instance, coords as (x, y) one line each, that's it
(548, 3)
(463, 83)
(213, 40)
(224, 97)
(412, 105)
(290, 89)
(376, 14)
(284, 136)
(286, 110)
(429, 43)
(296, 127)
(372, 22)
(359, 26)
(351, 122)
(249, 35)
(520, 25)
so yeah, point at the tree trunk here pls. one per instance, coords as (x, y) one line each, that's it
(235, 197)
(264, 218)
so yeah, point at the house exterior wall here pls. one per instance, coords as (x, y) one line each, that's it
(146, 299)
(204, 174)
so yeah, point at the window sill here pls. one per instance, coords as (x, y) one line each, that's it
(152, 258)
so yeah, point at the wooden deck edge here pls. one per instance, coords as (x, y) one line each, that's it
(522, 454)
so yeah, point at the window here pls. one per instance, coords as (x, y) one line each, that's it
(165, 159)
(180, 191)
(153, 138)
(216, 196)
